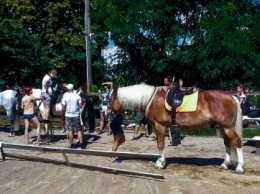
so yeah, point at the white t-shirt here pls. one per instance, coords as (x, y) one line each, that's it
(71, 100)
(48, 81)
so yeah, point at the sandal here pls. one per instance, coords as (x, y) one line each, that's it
(134, 138)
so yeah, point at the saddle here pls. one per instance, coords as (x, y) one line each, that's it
(174, 99)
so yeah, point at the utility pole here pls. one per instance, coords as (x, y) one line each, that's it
(88, 51)
(90, 107)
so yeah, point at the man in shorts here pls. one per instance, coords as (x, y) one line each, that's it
(139, 120)
(71, 104)
(46, 93)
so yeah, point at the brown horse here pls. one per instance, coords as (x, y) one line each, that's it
(214, 108)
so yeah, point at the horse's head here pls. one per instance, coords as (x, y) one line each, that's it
(114, 106)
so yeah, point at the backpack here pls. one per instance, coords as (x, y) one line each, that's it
(245, 107)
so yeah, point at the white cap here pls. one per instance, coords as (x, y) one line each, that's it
(69, 87)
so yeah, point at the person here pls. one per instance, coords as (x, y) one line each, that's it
(27, 104)
(46, 93)
(241, 96)
(63, 90)
(104, 97)
(174, 132)
(71, 104)
(167, 81)
(118, 133)
(82, 93)
(139, 120)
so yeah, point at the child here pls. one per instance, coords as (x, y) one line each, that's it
(118, 133)
(27, 105)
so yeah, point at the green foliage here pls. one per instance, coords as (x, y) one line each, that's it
(200, 132)
(209, 44)
(247, 133)
(254, 101)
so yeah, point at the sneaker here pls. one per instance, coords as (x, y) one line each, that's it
(82, 146)
(72, 146)
(63, 131)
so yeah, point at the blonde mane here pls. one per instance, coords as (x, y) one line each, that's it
(136, 96)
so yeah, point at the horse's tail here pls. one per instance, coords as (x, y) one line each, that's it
(238, 129)
(239, 121)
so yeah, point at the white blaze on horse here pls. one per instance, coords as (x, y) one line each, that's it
(8, 104)
(213, 108)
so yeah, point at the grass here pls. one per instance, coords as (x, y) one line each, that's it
(247, 132)
(208, 132)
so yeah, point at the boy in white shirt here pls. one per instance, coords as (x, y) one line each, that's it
(71, 104)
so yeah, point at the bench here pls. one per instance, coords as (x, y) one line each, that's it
(257, 144)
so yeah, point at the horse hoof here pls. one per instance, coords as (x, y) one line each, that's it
(224, 166)
(159, 166)
(239, 170)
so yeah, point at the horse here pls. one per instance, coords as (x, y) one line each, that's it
(9, 104)
(56, 109)
(214, 108)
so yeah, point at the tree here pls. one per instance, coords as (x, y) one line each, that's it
(204, 42)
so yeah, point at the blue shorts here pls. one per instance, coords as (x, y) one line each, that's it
(29, 116)
(115, 125)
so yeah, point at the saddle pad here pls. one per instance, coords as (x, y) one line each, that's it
(189, 103)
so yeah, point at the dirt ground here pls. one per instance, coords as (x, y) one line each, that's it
(192, 167)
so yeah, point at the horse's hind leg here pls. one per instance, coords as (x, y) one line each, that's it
(160, 133)
(231, 138)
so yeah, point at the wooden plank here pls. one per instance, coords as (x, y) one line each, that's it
(257, 144)
(66, 159)
(88, 167)
(2, 152)
(82, 152)
(253, 93)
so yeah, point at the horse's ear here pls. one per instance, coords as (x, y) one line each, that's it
(115, 87)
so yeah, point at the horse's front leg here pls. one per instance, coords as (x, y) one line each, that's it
(160, 132)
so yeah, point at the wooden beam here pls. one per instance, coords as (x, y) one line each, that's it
(248, 93)
(2, 152)
(257, 144)
(66, 159)
(88, 167)
(82, 152)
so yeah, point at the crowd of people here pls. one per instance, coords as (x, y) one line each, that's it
(72, 103)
